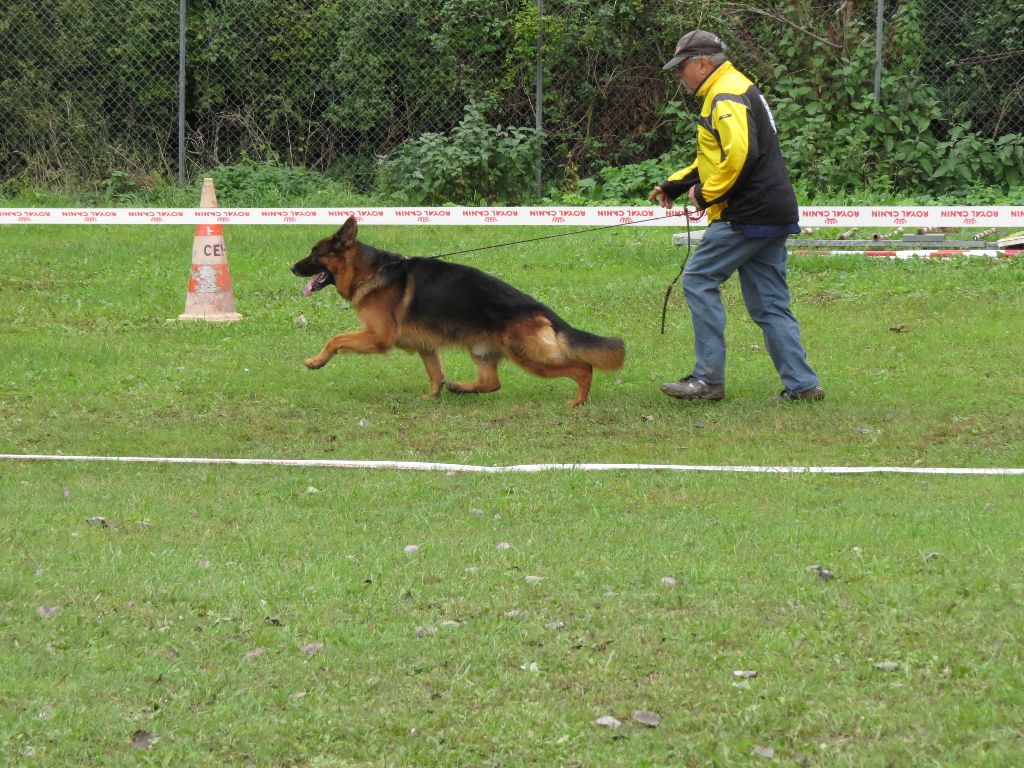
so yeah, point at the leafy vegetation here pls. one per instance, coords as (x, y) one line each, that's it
(834, 136)
(475, 162)
(89, 90)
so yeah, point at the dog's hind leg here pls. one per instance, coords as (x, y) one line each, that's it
(487, 365)
(533, 345)
(432, 363)
(581, 373)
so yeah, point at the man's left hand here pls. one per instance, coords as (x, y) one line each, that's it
(693, 198)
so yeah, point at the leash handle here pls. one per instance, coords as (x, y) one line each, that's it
(664, 306)
(682, 267)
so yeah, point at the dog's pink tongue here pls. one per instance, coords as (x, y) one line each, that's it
(308, 290)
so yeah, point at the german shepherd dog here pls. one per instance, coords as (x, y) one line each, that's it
(423, 305)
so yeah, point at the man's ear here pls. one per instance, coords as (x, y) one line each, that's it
(347, 233)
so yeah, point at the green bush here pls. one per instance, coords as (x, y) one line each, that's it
(251, 182)
(475, 162)
(837, 140)
(274, 184)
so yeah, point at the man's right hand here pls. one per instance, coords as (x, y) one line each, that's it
(659, 194)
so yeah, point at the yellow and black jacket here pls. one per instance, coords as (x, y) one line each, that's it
(739, 173)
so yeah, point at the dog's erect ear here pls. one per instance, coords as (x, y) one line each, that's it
(347, 233)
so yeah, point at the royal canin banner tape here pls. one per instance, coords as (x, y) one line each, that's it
(858, 216)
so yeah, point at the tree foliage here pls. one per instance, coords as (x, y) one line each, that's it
(88, 89)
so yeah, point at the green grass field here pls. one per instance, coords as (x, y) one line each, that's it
(209, 616)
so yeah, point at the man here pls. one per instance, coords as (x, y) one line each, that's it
(740, 179)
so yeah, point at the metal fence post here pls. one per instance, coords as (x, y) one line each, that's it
(181, 92)
(878, 52)
(540, 96)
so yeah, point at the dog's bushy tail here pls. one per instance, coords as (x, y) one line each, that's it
(603, 352)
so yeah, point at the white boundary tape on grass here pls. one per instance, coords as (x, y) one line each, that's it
(427, 466)
(810, 216)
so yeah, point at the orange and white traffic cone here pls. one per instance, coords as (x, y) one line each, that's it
(209, 285)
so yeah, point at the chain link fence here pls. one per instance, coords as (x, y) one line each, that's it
(970, 55)
(89, 88)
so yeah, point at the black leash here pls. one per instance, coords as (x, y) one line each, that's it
(668, 290)
(566, 234)
(682, 267)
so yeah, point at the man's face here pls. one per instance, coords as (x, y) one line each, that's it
(691, 73)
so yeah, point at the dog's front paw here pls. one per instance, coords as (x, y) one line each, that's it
(314, 362)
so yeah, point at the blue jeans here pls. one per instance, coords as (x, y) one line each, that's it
(761, 262)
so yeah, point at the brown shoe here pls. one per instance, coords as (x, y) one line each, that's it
(692, 388)
(788, 395)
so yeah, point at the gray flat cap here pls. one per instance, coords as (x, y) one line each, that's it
(695, 43)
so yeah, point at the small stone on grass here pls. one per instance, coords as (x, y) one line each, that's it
(650, 719)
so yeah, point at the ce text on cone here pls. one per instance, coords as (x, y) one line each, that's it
(209, 294)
